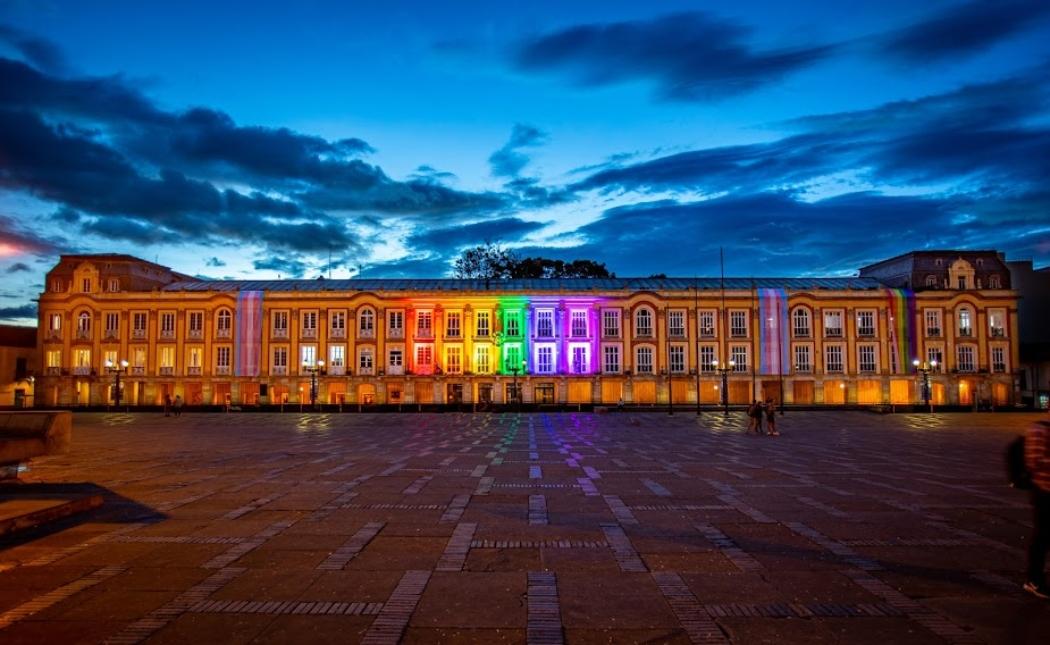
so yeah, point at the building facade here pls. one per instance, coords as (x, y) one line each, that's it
(805, 341)
(18, 365)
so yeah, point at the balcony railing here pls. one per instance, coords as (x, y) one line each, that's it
(193, 370)
(801, 333)
(166, 370)
(337, 332)
(833, 369)
(111, 334)
(395, 370)
(867, 332)
(81, 370)
(83, 334)
(998, 332)
(999, 368)
(279, 370)
(223, 333)
(138, 370)
(280, 333)
(138, 334)
(53, 334)
(309, 332)
(396, 332)
(707, 332)
(366, 333)
(677, 333)
(427, 334)
(336, 370)
(933, 331)
(738, 333)
(833, 332)
(167, 334)
(965, 332)
(195, 334)
(222, 369)
(803, 369)
(53, 370)
(644, 333)
(610, 333)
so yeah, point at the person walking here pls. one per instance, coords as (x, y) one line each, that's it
(167, 405)
(1037, 461)
(178, 405)
(751, 411)
(771, 418)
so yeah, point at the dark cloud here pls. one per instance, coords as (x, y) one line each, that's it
(690, 56)
(19, 312)
(18, 267)
(41, 53)
(13, 236)
(961, 29)
(288, 267)
(509, 160)
(214, 262)
(412, 267)
(448, 240)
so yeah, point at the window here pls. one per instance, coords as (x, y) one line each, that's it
(998, 359)
(677, 359)
(708, 356)
(707, 324)
(513, 323)
(167, 324)
(512, 357)
(997, 323)
(643, 360)
(452, 326)
(482, 360)
(994, 282)
(933, 322)
(225, 323)
(366, 323)
(56, 285)
(483, 319)
(109, 358)
(738, 354)
(54, 359)
(545, 393)
(800, 322)
(866, 358)
(833, 324)
(280, 324)
(139, 358)
(195, 357)
(545, 323)
(964, 357)
(81, 361)
(222, 358)
(365, 360)
(424, 357)
(676, 323)
(336, 357)
(167, 357)
(424, 324)
(962, 282)
(280, 358)
(579, 356)
(611, 359)
(337, 322)
(83, 325)
(395, 360)
(803, 359)
(114, 285)
(935, 357)
(395, 322)
(738, 324)
(196, 324)
(643, 323)
(308, 355)
(865, 322)
(454, 359)
(611, 323)
(931, 281)
(309, 319)
(578, 324)
(112, 324)
(85, 285)
(55, 322)
(965, 322)
(833, 359)
(544, 359)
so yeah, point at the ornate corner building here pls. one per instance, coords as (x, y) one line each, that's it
(648, 341)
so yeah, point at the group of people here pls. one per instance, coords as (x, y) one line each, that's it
(172, 406)
(759, 410)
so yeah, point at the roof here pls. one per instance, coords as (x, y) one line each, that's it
(17, 336)
(933, 252)
(526, 285)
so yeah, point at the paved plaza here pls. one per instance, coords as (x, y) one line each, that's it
(851, 527)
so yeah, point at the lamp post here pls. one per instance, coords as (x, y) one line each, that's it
(514, 370)
(925, 367)
(116, 369)
(723, 369)
(318, 366)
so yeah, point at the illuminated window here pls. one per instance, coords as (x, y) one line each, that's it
(997, 323)
(738, 323)
(676, 359)
(676, 323)
(935, 357)
(739, 355)
(800, 322)
(833, 324)
(452, 324)
(611, 359)
(195, 356)
(803, 361)
(167, 356)
(336, 356)
(55, 322)
(933, 322)
(708, 356)
(964, 358)
(611, 323)
(545, 323)
(707, 324)
(454, 360)
(865, 322)
(578, 324)
(643, 360)
(579, 358)
(513, 323)
(483, 318)
(545, 359)
(965, 322)
(833, 359)
(308, 355)
(643, 323)
(482, 360)
(866, 358)
(424, 323)
(54, 358)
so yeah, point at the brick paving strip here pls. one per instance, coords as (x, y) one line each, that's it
(279, 607)
(537, 510)
(390, 624)
(691, 614)
(538, 544)
(176, 539)
(619, 510)
(589, 489)
(535, 472)
(238, 551)
(417, 485)
(457, 548)
(40, 603)
(143, 628)
(177, 503)
(656, 488)
(799, 610)
(338, 469)
(543, 626)
(839, 549)
(830, 510)
(740, 558)
(455, 509)
(681, 507)
(65, 552)
(349, 550)
(626, 555)
(485, 486)
(913, 609)
(395, 507)
(253, 505)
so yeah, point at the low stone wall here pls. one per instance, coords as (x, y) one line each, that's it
(24, 435)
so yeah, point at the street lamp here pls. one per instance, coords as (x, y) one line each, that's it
(925, 367)
(514, 370)
(318, 366)
(723, 369)
(116, 369)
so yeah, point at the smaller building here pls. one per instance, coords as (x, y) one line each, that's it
(955, 269)
(1033, 313)
(19, 365)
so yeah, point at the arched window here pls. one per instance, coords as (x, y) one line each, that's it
(224, 323)
(965, 321)
(931, 280)
(643, 322)
(84, 322)
(800, 320)
(366, 323)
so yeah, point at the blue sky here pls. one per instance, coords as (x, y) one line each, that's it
(236, 140)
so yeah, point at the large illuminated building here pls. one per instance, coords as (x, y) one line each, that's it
(642, 341)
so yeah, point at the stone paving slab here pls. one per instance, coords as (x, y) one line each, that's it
(527, 528)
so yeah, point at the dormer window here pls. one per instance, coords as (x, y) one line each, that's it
(56, 286)
(994, 281)
(85, 285)
(931, 281)
(114, 285)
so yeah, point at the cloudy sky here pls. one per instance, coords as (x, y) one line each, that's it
(236, 141)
